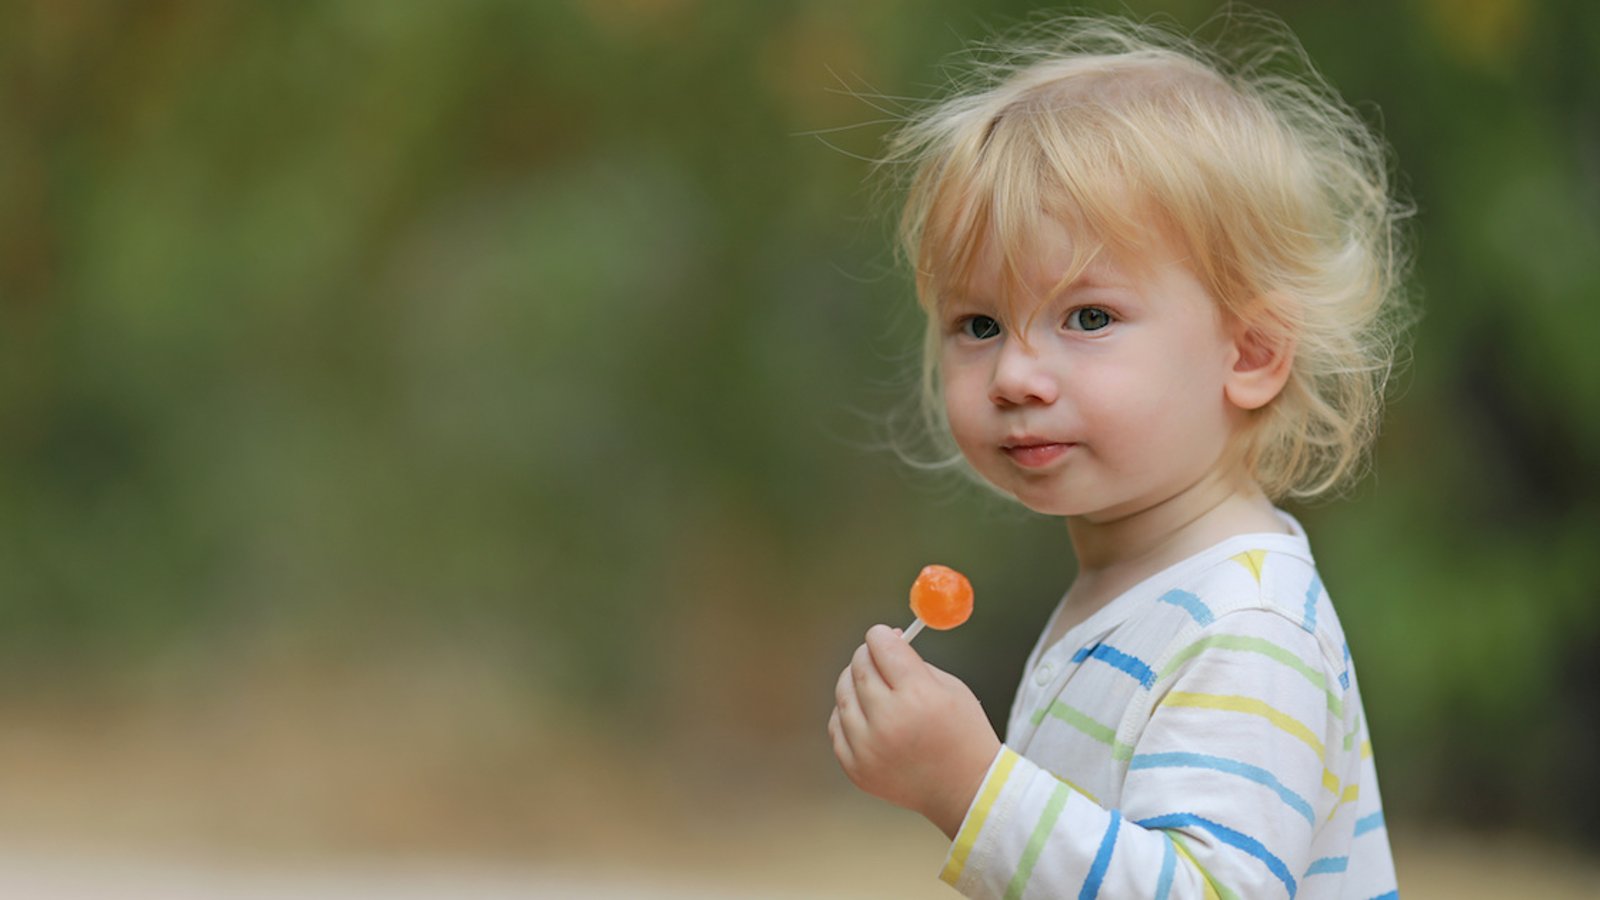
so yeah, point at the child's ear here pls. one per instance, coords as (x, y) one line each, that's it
(1263, 356)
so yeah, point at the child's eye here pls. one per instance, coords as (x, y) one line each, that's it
(980, 327)
(1089, 318)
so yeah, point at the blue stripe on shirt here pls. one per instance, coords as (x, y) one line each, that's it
(1102, 860)
(1328, 865)
(1312, 592)
(1189, 603)
(1169, 859)
(1130, 664)
(1230, 837)
(1368, 823)
(1232, 767)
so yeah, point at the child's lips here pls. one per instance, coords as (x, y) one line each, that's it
(1033, 454)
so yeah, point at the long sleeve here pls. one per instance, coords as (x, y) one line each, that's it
(1236, 760)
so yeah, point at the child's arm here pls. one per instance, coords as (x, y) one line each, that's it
(1243, 759)
(910, 733)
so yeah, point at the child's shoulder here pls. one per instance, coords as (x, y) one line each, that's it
(1254, 586)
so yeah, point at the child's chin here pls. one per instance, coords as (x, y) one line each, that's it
(1050, 506)
(1067, 506)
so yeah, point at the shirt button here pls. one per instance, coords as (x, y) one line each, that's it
(1041, 675)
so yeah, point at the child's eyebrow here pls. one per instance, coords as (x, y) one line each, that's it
(1091, 279)
(1095, 276)
(953, 304)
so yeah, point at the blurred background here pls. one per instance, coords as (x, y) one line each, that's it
(445, 445)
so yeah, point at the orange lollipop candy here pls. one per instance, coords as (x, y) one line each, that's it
(942, 599)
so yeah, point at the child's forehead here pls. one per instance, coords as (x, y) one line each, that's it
(1058, 252)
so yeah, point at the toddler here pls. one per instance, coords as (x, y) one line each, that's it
(1162, 295)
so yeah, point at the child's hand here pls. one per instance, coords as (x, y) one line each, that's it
(910, 733)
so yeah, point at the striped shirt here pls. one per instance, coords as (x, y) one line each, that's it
(1199, 736)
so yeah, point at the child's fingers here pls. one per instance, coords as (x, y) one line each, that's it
(841, 746)
(892, 657)
(847, 703)
(844, 690)
(874, 693)
(848, 725)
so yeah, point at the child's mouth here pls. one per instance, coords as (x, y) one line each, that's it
(1035, 455)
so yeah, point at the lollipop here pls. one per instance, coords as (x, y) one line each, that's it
(942, 599)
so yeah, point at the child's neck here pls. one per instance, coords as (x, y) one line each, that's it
(1116, 554)
(1180, 526)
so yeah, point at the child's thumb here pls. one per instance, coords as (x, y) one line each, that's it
(894, 657)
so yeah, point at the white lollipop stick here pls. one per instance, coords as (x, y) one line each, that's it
(916, 625)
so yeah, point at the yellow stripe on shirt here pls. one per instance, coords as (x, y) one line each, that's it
(987, 795)
(1234, 703)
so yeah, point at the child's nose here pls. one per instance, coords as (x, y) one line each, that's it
(1021, 377)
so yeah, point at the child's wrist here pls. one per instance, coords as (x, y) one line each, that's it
(965, 777)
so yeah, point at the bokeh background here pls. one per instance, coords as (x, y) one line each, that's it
(457, 433)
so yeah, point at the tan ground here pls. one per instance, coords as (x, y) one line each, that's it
(359, 789)
(842, 853)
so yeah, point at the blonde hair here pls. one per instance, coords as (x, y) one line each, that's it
(1276, 191)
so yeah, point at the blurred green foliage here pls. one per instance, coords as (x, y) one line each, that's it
(568, 332)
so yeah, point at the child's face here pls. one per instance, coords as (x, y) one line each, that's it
(1110, 401)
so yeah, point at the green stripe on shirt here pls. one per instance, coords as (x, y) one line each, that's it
(1080, 720)
(1041, 833)
(1264, 647)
